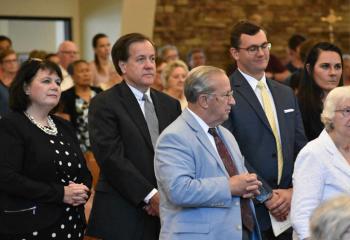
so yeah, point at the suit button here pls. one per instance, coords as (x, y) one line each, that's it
(239, 227)
(274, 154)
(237, 203)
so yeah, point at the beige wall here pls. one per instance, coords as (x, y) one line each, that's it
(138, 16)
(44, 8)
(102, 16)
(113, 17)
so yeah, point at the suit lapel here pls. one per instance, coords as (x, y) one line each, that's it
(133, 108)
(203, 138)
(279, 112)
(244, 89)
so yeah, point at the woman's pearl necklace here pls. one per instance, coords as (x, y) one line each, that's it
(51, 129)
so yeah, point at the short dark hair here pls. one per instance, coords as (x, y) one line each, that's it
(120, 50)
(5, 38)
(243, 27)
(18, 100)
(71, 67)
(295, 40)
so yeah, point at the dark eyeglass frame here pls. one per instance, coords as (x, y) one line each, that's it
(254, 49)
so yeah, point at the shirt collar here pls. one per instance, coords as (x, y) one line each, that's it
(138, 94)
(252, 81)
(200, 121)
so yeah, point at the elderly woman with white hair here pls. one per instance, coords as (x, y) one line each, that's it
(331, 220)
(322, 168)
(173, 78)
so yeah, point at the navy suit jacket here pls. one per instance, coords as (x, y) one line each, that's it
(249, 124)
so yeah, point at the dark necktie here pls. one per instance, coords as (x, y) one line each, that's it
(247, 216)
(151, 119)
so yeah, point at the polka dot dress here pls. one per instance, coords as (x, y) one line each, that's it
(71, 224)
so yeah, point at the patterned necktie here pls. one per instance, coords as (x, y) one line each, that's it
(247, 216)
(151, 119)
(271, 118)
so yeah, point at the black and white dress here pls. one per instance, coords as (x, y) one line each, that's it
(57, 160)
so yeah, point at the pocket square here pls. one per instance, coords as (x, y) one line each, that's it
(288, 110)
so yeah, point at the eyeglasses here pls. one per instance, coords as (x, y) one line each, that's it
(228, 95)
(345, 112)
(70, 52)
(10, 61)
(254, 49)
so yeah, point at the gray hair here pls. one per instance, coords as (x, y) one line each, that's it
(199, 81)
(163, 50)
(169, 68)
(331, 220)
(333, 99)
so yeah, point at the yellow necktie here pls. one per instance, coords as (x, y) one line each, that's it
(270, 116)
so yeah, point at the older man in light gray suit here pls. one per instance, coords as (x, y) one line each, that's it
(203, 184)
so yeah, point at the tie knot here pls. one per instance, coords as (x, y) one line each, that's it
(145, 98)
(261, 85)
(213, 132)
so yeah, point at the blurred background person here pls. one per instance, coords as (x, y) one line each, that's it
(9, 68)
(104, 74)
(44, 182)
(168, 53)
(293, 80)
(173, 78)
(67, 53)
(53, 57)
(158, 84)
(295, 62)
(322, 168)
(346, 69)
(322, 73)
(331, 220)
(196, 57)
(75, 101)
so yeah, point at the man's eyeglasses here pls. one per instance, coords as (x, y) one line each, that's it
(228, 95)
(70, 52)
(345, 112)
(254, 49)
(10, 61)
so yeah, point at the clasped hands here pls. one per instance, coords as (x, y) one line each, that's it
(75, 194)
(279, 203)
(245, 185)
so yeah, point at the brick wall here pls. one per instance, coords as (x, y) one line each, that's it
(207, 23)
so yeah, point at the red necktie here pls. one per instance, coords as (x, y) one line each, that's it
(247, 216)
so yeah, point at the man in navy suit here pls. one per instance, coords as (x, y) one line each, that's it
(266, 123)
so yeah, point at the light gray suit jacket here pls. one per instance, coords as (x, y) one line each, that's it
(196, 202)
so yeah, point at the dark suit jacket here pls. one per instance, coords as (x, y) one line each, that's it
(249, 125)
(31, 195)
(123, 149)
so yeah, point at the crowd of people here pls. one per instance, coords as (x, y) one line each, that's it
(154, 147)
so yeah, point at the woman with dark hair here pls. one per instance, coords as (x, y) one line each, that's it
(44, 182)
(322, 73)
(104, 74)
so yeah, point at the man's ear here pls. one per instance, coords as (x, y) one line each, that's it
(122, 66)
(203, 101)
(234, 53)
